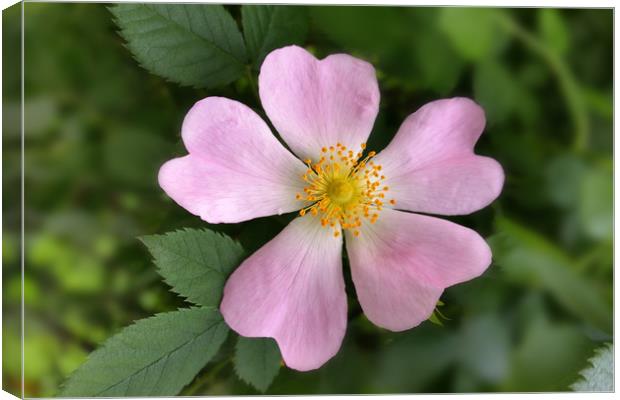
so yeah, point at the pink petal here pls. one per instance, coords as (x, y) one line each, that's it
(183, 180)
(316, 103)
(292, 290)
(401, 264)
(236, 170)
(430, 164)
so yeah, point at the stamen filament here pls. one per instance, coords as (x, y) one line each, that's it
(343, 188)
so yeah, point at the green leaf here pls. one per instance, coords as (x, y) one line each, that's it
(435, 319)
(196, 263)
(473, 31)
(529, 259)
(191, 44)
(266, 28)
(599, 376)
(553, 30)
(257, 361)
(436, 314)
(156, 356)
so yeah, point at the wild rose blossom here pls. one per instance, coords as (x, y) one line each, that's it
(292, 289)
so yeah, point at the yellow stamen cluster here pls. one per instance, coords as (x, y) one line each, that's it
(344, 188)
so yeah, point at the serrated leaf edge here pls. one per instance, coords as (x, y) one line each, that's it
(102, 346)
(121, 33)
(591, 366)
(171, 288)
(240, 376)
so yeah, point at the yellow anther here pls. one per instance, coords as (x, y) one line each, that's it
(342, 188)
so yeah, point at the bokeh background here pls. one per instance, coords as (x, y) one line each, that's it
(98, 127)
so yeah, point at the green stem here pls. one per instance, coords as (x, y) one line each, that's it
(204, 379)
(568, 84)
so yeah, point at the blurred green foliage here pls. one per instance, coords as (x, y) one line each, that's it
(98, 127)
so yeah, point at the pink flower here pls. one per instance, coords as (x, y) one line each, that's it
(292, 289)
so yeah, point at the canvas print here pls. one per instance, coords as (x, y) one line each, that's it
(236, 199)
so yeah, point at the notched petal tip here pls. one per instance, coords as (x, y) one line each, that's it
(238, 169)
(315, 103)
(431, 164)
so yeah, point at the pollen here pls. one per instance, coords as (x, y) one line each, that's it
(345, 189)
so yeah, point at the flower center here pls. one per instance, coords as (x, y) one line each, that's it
(344, 188)
(340, 191)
